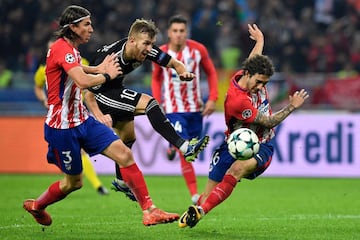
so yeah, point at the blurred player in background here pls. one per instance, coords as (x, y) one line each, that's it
(40, 92)
(116, 106)
(69, 127)
(182, 101)
(246, 105)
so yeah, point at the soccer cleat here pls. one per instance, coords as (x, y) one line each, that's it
(157, 216)
(182, 220)
(195, 147)
(194, 215)
(40, 215)
(102, 190)
(171, 153)
(120, 186)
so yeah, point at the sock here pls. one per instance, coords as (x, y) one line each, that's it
(183, 148)
(89, 171)
(134, 178)
(188, 173)
(220, 193)
(51, 195)
(129, 144)
(200, 200)
(161, 124)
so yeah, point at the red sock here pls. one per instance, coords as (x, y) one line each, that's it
(51, 195)
(219, 193)
(134, 178)
(188, 173)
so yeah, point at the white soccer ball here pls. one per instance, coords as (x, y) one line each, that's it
(243, 144)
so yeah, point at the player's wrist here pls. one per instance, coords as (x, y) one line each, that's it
(292, 107)
(107, 77)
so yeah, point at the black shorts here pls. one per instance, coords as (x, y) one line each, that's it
(119, 103)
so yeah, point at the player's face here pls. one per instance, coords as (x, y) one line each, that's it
(256, 82)
(142, 45)
(83, 29)
(177, 34)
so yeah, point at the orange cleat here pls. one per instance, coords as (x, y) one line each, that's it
(40, 215)
(157, 216)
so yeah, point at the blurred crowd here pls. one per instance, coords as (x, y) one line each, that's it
(300, 35)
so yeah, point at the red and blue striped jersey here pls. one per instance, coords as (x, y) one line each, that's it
(241, 108)
(66, 108)
(181, 96)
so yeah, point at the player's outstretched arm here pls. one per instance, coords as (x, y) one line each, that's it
(181, 70)
(296, 101)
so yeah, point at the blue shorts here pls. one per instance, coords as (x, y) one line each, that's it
(188, 125)
(64, 145)
(222, 160)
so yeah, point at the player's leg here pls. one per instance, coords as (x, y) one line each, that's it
(90, 173)
(66, 155)
(120, 104)
(239, 169)
(161, 124)
(134, 179)
(103, 140)
(188, 126)
(124, 129)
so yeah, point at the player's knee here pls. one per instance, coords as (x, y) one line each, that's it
(152, 103)
(123, 155)
(126, 158)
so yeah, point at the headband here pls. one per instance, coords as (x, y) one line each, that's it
(76, 21)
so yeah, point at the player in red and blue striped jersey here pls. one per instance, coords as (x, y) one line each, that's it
(246, 105)
(69, 127)
(183, 101)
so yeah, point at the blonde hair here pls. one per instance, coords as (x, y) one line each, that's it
(143, 26)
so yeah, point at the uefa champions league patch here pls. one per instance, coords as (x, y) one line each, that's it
(246, 113)
(69, 58)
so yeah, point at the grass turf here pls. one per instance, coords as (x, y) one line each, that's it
(266, 208)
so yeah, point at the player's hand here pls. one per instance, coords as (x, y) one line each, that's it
(255, 32)
(298, 98)
(186, 76)
(111, 66)
(105, 119)
(209, 108)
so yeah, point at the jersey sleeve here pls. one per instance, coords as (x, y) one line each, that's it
(156, 81)
(210, 71)
(66, 58)
(240, 107)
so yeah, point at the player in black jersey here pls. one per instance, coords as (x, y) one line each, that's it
(115, 105)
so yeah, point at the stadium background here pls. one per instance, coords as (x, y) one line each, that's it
(315, 44)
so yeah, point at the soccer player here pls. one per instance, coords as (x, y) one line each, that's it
(115, 105)
(246, 105)
(69, 127)
(88, 168)
(182, 101)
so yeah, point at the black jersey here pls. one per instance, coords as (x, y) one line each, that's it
(156, 55)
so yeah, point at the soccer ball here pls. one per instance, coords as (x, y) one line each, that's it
(243, 144)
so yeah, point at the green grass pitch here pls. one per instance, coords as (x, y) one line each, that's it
(266, 208)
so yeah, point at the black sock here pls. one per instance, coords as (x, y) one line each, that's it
(117, 167)
(161, 124)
